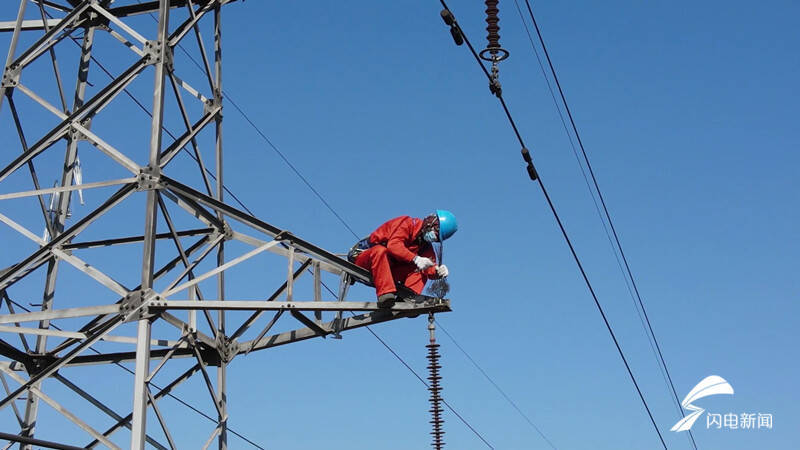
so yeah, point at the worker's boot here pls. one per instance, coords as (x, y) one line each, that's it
(387, 300)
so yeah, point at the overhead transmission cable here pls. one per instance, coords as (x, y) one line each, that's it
(635, 294)
(496, 386)
(614, 249)
(535, 177)
(589, 187)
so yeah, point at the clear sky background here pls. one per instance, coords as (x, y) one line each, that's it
(688, 112)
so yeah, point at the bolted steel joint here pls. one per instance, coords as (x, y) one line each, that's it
(213, 104)
(38, 363)
(155, 54)
(227, 231)
(75, 135)
(11, 76)
(227, 348)
(136, 305)
(149, 179)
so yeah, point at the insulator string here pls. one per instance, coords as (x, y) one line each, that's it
(434, 386)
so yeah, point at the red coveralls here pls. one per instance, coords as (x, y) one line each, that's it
(391, 257)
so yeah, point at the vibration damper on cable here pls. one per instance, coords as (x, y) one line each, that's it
(455, 30)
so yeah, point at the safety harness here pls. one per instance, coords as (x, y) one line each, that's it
(357, 249)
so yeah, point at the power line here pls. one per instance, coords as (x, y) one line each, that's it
(565, 235)
(603, 203)
(499, 389)
(273, 146)
(592, 194)
(464, 421)
(591, 191)
(286, 160)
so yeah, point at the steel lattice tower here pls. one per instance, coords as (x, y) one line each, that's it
(109, 293)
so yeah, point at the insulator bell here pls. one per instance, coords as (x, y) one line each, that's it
(434, 387)
(493, 51)
(492, 27)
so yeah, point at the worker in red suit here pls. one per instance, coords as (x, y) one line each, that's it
(400, 251)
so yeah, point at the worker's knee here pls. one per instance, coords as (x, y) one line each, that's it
(378, 251)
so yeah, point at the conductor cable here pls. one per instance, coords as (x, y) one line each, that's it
(566, 237)
(605, 215)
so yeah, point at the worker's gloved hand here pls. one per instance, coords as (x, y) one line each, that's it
(422, 262)
(442, 271)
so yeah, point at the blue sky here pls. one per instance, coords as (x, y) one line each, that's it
(689, 116)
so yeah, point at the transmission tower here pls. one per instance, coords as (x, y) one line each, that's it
(154, 267)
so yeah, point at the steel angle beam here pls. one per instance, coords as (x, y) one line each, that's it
(28, 25)
(152, 6)
(79, 226)
(164, 391)
(348, 323)
(37, 442)
(11, 352)
(101, 406)
(60, 362)
(133, 239)
(253, 317)
(64, 411)
(71, 20)
(119, 357)
(59, 314)
(438, 305)
(264, 227)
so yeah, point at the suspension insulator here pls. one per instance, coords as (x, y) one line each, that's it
(493, 52)
(434, 387)
(492, 27)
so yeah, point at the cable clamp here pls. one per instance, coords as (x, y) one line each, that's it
(494, 81)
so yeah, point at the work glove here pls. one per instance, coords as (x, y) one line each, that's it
(422, 262)
(442, 271)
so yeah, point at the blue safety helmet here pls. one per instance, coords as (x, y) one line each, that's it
(447, 224)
